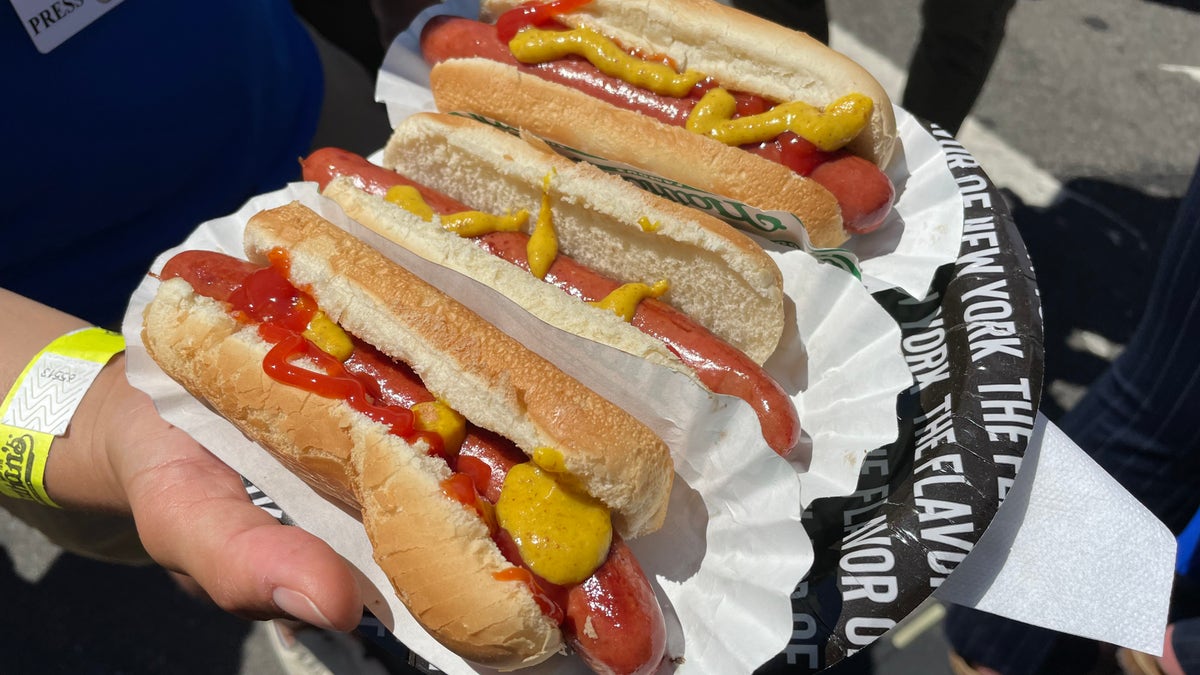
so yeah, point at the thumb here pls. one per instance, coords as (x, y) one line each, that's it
(194, 516)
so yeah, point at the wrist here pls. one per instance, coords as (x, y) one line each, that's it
(83, 473)
(47, 420)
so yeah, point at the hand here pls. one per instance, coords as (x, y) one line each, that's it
(192, 512)
(193, 516)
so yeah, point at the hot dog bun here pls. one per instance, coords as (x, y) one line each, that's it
(438, 554)
(741, 51)
(718, 276)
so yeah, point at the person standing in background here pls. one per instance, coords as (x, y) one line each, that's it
(957, 47)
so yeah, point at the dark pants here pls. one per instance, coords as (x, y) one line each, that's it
(1141, 422)
(958, 45)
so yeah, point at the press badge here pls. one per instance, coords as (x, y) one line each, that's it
(50, 23)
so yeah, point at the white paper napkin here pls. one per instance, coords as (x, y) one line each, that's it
(1071, 550)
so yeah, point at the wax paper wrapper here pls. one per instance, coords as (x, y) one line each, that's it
(919, 235)
(733, 547)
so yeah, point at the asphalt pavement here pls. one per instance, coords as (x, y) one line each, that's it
(1091, 124)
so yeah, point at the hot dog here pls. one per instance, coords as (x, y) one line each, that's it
(721, 317)
(587, 74)
(358, 376)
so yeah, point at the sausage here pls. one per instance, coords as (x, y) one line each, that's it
(615, 602)
(862, 190)
(454, 37)
(447, 37)
(864, 193)
(388, 382)
(719, 366)
(325, 164)
(211, 275)
(612, 619)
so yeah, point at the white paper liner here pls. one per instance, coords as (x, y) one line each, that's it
(922, 233)
(726, 561)
(841, 350)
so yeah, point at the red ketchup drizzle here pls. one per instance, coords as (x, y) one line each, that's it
(369, 381)
(461, 488)
(334, 383)
(533, 14)
(545, 601)
(265, 296)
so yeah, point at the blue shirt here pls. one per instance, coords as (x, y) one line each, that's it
(156, 117)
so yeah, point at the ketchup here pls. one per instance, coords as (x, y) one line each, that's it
(334, 383)
(267, 297)
(533, 14)
(461, 488)
(368, 382)
(546, 603)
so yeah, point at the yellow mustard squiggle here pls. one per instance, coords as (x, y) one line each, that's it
(829, 129)
(535, 45)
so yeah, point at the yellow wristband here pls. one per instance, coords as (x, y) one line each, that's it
(40, 405)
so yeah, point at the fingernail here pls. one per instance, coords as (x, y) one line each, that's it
(299, 606)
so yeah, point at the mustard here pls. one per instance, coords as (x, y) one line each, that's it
(477, 223)
(552, 461)
(542, 248)
(624, 300)
(561, 534)
(465, 223)
(442, 420)
(534, 45)
(409, 198)
(328, 336)
(649, 226)
(828, 129)
(549, 459)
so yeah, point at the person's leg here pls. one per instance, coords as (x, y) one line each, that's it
(957, 47)
(990, 643)
(808, 16)
(1140, 420)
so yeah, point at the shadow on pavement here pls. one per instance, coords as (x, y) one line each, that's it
(1094, 251)
(1190, 5)
(84, 617)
